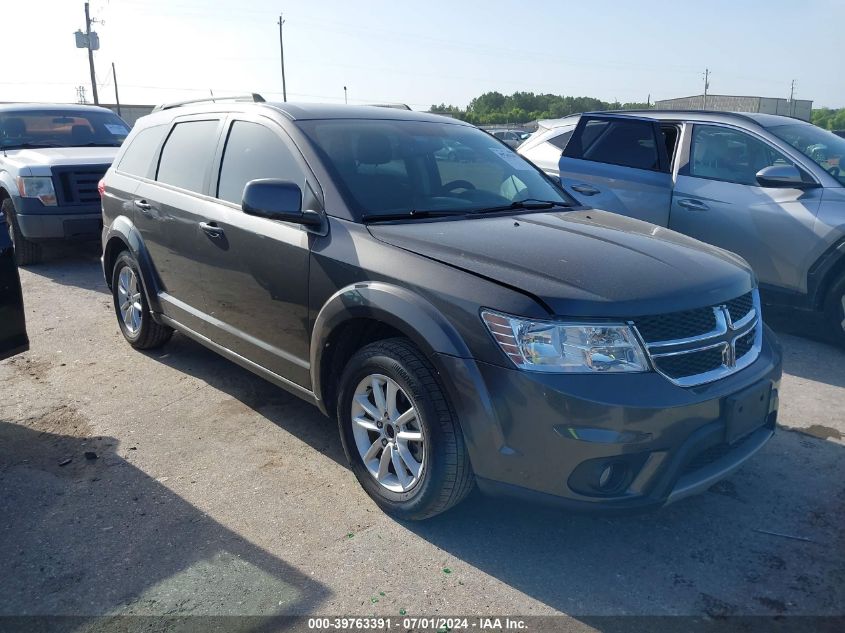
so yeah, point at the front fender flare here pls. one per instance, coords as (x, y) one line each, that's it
(393, 305)
(122, 233)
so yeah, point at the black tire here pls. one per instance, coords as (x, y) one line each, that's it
(26, 252)
(150, 334)
(835, 310)
(447, 475)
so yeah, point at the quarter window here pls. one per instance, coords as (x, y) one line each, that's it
(187, 155)
(720, 153)
(138, 158)
(252, 152)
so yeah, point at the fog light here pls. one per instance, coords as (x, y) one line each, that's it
(606, 475)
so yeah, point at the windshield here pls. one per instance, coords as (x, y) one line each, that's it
(60, 128)
(824, 148)
(390, 167)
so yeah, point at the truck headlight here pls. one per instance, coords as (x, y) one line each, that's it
(553, 347)
(40, 187)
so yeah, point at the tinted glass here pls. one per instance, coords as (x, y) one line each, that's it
(561, 139)
(399, 166)
(252, 152)
(187, 154)
(824, 148)
(61, 128)
(625, 143)
(719, 153)
(138, 157)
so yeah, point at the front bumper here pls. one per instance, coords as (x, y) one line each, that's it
(39, 223)
(549, 436)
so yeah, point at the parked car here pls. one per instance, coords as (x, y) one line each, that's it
(512, 138)
(462, 322)
(13, 338)
(51, 158)
(767, 187)
(455, 150)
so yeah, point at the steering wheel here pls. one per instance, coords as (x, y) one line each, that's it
(834, 171)
(457, 184)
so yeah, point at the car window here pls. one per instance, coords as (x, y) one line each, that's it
(720, 153)
(824, 148)
(61, 128)
(627, 143)
(254, 151)
(187, 154)
(562, 139)
(138, 157)
(386, 167)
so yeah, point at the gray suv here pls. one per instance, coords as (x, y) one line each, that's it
(51, 160)
(464, 322)
(767, 187)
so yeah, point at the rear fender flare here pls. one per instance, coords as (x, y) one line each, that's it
(123, 234)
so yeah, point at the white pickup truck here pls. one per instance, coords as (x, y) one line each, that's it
(52, 158)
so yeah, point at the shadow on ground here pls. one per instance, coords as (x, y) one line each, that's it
(85, 533)
(72, 264)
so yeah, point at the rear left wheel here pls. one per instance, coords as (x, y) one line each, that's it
(132, 308)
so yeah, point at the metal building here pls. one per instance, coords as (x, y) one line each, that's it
(798, 108)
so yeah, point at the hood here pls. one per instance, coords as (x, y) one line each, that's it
(56, 156)
(582, 263)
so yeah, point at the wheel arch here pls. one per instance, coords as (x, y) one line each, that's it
(824, 273)
(362, 313)
(122, 235)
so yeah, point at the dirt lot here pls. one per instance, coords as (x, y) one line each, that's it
(175, 482)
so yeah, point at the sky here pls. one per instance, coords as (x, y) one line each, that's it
(424, 53)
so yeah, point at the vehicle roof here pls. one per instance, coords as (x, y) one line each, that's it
(304, 111)
(41, 107)
(754, 118)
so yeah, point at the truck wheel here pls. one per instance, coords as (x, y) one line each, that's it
(26, 252)
(399, 433)
(835, 310)
(132, 308)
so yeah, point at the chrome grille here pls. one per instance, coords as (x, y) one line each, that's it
(694, 347)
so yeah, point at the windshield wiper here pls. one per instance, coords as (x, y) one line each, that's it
(29, 146)
(530, 204)
(410, 215)
(96, 145)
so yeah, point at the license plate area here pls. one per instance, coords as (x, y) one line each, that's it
(746, 411)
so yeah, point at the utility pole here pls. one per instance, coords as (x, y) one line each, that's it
(706, 86)
(116, 97)
(91, 56)
(345, 100)
(791, 94)
(282, 51)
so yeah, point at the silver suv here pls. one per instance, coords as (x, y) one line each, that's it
(767, 187)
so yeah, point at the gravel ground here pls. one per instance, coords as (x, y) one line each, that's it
(174, 482)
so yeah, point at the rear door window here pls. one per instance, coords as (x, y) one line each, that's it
(561, 139)
(187, 155)
(138, 158)
(623, 141)
(254, 151)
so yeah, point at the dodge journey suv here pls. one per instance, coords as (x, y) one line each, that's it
(464, 322)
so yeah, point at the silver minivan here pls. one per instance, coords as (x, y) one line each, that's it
(767, 187)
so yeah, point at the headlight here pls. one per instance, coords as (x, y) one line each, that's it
(566, 347)
(40, 187)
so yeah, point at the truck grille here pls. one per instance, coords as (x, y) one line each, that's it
(694, 347)
(78, 185)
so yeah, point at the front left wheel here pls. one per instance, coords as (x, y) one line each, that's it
(132, 308)
(835, 310)
(402, 439)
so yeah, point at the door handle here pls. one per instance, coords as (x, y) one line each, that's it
(586, 190)
(211, 229)
(144, 207)
(695, 205)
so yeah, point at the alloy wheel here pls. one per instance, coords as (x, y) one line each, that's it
(129, 300)
(388, 433)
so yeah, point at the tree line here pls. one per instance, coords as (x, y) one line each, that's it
(493, 108)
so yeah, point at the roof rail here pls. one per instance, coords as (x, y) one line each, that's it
(254, 97)
(395, 106)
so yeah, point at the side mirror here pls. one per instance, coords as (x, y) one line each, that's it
(277, 200)
(785, 176)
